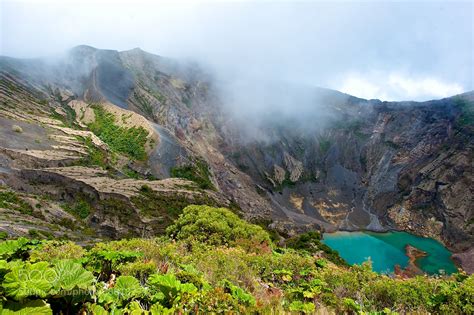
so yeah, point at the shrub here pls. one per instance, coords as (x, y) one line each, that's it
(95, 156)
(171, 289)
(138, 269)
(57, 250)
(298, 306)
(168, 206)
(124, 291)
(216, 226)
(106, 261)
(17, 128)
(3, 235)
(17, 249)
(80, 209)
(311, 242)
(308, 241)
(197, 172)
(239, 294)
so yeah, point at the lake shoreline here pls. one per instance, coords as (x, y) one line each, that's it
(461, 259)
(353, 245)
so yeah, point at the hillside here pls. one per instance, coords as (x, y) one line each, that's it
(211, 261)
(92, 146)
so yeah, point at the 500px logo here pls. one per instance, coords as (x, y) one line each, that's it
(49, 275)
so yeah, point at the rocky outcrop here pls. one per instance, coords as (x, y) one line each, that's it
(294, 167)
(465, 260)
(279, 175)
(411, 269)
(116, 203)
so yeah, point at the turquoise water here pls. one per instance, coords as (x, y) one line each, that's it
(388, 249)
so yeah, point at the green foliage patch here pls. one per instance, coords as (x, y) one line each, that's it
(466, 108)
(129, 141)
(324, 145)
(95, 156)
(211, 265)
(166, 207)
(10, 200)
(216, 226)
(80, 208)
(311, 242)
(197, 172)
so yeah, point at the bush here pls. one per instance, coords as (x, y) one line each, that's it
(57, 250)
(311, 242)
(80, 209)
(217, 226)
(3, 235)
(307, 241)
(197, 172)
(17, 128)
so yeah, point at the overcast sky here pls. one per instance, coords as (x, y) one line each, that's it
(386, 50)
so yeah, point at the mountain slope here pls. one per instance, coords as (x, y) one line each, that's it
(331, 162)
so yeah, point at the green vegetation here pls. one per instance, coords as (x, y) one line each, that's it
(187, 101)
(10, 200)
(3, 235)
(69, 117)
(166, 207)
(17, 129)
(324, 145)
(143, 100)
(129, 141)
(213, 262)
(95, 156)
(81, 208)
(217, 226)
(144, 104)
(467, 111)
(311, 242)
(131, 173)
(197, 172)
(287, 182)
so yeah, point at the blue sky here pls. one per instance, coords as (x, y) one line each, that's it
(389, 50)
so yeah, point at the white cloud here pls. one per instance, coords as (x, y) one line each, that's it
(397, 87)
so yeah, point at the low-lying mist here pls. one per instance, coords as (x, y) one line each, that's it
(258, 108)
(268, 60)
